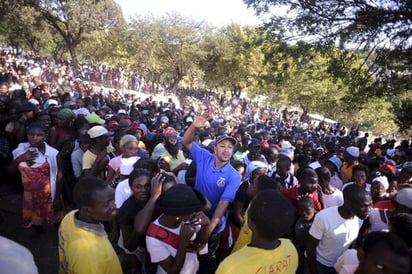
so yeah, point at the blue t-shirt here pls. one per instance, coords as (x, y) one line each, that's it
(215, 184)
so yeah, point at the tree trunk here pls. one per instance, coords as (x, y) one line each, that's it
(73, 55)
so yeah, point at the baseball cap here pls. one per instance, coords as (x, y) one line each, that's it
(221, 138)
(93, 118)
(121, 111)
(254, 143)
(98, 131)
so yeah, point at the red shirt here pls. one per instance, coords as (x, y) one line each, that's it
(384, 204)
(292, 195)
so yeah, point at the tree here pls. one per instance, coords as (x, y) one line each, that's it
(234, 59)
(380, 31)
(164, 49)
(402, 110)
(369, 23)
(73, 19)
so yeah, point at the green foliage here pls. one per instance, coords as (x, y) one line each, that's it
(402, 109)
(381, 31)
(73, 19)
(234, 60)
(164, 49)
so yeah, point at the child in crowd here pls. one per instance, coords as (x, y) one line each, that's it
(308, 185)
(306, 211)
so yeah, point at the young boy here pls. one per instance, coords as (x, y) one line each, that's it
(270, 216)
(306, 211)
(83, 243)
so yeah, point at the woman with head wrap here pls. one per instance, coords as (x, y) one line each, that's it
(128, 146)
(380, 219)
(379, 188)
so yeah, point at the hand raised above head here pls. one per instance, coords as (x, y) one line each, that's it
(200, 120)
(156, 185)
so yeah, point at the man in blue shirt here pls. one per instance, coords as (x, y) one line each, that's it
(217, 180)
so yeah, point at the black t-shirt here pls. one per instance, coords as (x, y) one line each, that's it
(128, 211)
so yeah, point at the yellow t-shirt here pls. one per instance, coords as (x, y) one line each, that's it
(85, 248)
(245, 234)
(281, 260)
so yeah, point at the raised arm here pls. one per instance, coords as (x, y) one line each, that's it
(198, 122)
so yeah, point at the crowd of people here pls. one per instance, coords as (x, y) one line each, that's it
(219, 185)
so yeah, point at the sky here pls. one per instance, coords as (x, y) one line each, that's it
(216, 12)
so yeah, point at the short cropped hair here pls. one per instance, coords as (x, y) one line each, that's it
(284, 161)
(272, 214)
(85, 190)
(305, 174)
(323, 174)
(353, 193)
(266, 182)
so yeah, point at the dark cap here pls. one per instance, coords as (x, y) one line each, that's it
(180, 200)
(225, 137)
(254, 143)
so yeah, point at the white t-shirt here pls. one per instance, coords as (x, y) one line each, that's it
(15, 258)
(376, 222)
(122, 193)
(334, 233)
(336, 181)
(159, 251)
(334, 199)
(348, 262)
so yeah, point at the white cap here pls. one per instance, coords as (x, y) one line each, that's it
(98, 131)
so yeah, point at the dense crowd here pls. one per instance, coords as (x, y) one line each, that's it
(140, 179)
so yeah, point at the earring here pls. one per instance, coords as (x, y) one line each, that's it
(177, 219)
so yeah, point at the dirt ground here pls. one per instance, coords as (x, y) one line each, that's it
(42, 245)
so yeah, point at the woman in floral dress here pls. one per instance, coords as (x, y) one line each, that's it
(37, 163)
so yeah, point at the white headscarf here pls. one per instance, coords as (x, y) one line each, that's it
(383, 180)
(252, 166)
